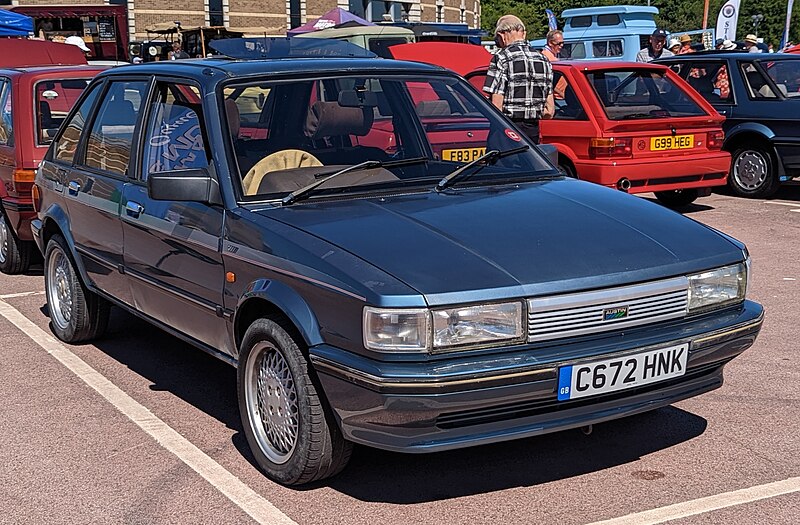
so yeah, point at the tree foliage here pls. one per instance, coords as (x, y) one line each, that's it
(674, 15)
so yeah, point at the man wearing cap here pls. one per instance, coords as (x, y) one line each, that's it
(656, 48)
(751, 44)
(520, 79)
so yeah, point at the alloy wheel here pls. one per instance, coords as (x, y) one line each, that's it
(750, 170)
(59, 289)
(272, 402)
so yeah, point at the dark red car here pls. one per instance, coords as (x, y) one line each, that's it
(33, 103)
(636, 127)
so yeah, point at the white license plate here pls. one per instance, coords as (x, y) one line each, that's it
(610, 375)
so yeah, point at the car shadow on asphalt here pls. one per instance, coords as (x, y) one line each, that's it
(374, 475)
(689, 208)
(384, 477)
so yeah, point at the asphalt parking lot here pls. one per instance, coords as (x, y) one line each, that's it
(141, 428)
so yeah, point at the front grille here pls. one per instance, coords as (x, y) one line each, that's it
(600, 311)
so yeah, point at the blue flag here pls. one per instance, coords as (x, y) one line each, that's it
(551, 19)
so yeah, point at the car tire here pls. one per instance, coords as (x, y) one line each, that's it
(288, 425)
(676, 198)
(15, 255)
(753, 172)
(76, 314)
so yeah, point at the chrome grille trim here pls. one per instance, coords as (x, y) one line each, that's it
(582, 313)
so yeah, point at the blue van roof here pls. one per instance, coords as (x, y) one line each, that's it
(608, 10)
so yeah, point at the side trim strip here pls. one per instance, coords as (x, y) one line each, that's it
(295, 275)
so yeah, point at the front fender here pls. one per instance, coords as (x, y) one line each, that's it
(55, 215)
(285, 299)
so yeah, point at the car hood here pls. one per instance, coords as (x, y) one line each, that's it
(480, 243)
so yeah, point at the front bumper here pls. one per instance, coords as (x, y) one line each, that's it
(658, 174)
(441, 405)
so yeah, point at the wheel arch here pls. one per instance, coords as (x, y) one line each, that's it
(56, 222)
(273, 299)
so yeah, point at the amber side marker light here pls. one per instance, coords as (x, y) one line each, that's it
(230, 277)
(36, 198)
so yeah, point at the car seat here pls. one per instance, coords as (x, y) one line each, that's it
(330, 129)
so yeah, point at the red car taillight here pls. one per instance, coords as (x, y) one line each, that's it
(22, 180)
(601, 148)
(715, 139)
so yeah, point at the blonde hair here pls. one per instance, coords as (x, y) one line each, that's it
(509, 23)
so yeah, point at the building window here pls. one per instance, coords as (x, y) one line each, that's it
(440, 13)
(215, 13)
(463, 17)
(294, 14)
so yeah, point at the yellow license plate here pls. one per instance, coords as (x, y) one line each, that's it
(463, 154)
(670, 142)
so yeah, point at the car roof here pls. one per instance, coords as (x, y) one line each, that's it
(596, 65)
(741, 55)
(201, 68)
(17, 52)
(43, 70)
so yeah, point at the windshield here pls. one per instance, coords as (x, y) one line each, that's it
(786, 75)
(288, 135)
(641, 94)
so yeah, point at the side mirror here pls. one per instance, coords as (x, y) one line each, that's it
(551, 152)
(193, 185)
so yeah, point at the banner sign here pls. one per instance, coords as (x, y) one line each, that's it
(726, 21)
(551, 20)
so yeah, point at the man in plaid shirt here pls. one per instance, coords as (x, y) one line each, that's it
(520, 79)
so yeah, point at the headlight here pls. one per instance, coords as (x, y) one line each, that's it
(396, 330)
(409, 330)
(718, 287)
(477, 324)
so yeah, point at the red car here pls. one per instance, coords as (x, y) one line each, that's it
(636, 127)
(33, 103)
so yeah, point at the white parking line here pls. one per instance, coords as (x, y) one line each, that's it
(232, 487)
(792, 204)
(21, 294)
(707, 504)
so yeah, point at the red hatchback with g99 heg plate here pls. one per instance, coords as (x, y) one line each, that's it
(638, 128)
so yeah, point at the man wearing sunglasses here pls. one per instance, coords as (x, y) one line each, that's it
(520, 79)
(555, 43)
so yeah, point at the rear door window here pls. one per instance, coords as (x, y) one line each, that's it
(54, 99)
(641, 94)
(108, 148)
(710, 79)
(67, 145)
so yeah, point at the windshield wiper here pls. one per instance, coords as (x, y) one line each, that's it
(490, 157)
(305, 191)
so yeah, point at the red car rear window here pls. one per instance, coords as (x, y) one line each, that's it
(641, 94)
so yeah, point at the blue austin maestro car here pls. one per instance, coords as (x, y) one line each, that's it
(381, 254)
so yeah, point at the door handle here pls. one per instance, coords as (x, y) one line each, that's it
(74, 187)
(134, 209)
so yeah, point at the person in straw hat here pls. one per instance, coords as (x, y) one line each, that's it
(751, 44)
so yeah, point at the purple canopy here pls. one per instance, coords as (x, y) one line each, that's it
(334, 17)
